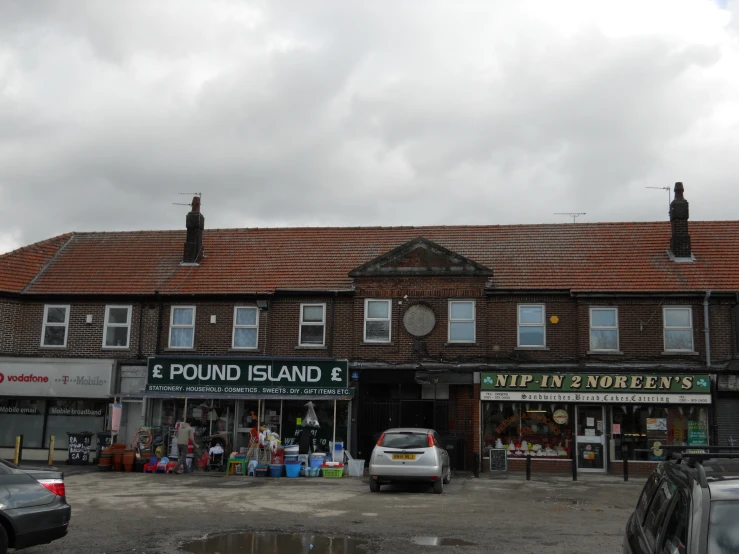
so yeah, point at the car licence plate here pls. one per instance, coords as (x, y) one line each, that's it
(404, 456)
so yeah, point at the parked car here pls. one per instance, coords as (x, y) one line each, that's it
(409, 455)
(689, 505)
(33, 507)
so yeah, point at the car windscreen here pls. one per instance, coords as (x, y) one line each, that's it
(723, 530)
(405, 440)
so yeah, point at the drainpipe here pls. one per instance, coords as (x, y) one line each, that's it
(706, 328)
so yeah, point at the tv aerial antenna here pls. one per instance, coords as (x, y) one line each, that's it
(198, 194)
(573, 215)
(669, 195)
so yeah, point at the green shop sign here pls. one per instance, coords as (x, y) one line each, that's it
(244, 377)
(626, 388)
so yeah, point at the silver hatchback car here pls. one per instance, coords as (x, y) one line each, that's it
(409, 455)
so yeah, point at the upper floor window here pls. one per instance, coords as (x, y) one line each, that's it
(461, 321)
(312, 324)
(117, 331)
(377, 320)
(182, 327)
(246, 327)
(604, 329)
(678, 329)
(531, 329)
(56, 325)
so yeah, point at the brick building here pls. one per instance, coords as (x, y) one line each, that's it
(552, 340)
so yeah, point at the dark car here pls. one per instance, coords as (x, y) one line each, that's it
(690, 505)
(33, 507)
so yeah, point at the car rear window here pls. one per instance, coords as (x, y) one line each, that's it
(723, 530)
(405, 440)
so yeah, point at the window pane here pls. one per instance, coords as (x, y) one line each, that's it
(462, 330)
(182, 337)
(723, 532)
(311, 334)
(56, 315)
(116, 336)
(603, 340)
(378, 330)
(21, 416)
(246, 316)
(245, 337)
(531, 336)
(118, 315)
(313, 313)
(679, 340)
(676, 529)
(677, 318)
(462, 310)
(54, 335)
(603, 318)
(531, 314)
(182, 316)
(377, 309)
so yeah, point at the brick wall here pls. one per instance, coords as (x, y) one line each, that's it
(9, 322)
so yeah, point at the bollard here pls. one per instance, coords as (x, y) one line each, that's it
(574, 465)
(528, 468)
(51, 450)
(476, 461)
(18, 450)
(625, 458)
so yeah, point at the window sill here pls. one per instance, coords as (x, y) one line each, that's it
(604, 353)
(50, 347)
(183, 349)
(116, 348)
(680, 353)
(370, 343)
(317, 347)
(453, 344)
(542, 348)
(255, 349)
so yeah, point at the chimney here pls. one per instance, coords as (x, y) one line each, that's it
(195, 223)
(680, 240)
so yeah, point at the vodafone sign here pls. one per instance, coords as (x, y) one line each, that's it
(58, 378)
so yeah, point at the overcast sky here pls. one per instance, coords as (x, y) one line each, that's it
(363, 113)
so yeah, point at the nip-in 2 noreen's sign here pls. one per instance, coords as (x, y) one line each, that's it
(621, 388)
(249, 376)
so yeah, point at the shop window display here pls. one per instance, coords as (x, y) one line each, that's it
(22, 416)
(646, 429)
(74, 416)
(541, 430)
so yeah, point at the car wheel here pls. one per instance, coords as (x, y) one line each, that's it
(448, 478)
(374, 486)
(438, 486)
(3, 540)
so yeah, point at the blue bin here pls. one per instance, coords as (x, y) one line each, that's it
(275, 470)
(316, 462)
(293, 469)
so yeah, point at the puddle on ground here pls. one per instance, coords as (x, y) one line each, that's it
(438, 541)
(260, 543)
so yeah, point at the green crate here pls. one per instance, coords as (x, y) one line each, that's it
(332, 472)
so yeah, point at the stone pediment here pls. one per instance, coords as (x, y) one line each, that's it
(421, 257)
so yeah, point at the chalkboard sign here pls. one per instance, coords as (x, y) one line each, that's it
(498, 459)
(79, 448)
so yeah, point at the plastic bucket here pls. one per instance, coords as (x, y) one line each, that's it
(276, 470)
(293, 469)
(356, 468)
(291, 459)
(292, 450)
(278, 457)
(316, 462)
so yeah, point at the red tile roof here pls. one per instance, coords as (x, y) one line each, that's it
(604, 257)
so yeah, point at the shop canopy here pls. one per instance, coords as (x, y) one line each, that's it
(255, 377)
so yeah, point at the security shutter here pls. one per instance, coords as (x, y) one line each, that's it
(727, 412)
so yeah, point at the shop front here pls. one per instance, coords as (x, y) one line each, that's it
(593, 417)
(233, 397)
(40, 399)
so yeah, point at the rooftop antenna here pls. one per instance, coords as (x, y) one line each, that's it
(198, 194)
(573, 215)
(669, 195)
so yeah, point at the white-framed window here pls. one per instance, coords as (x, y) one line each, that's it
(461, 321)
(377, 320)
(604, 329)
(531, 327)
(117, 330)
(182, 327)
(246, 327)
(312, 325)
(678, 328)
(56, 325)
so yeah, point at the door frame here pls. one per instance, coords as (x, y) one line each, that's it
(584, 439)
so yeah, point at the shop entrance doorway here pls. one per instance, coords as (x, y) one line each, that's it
(590, 446)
